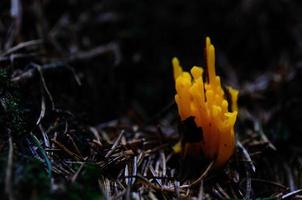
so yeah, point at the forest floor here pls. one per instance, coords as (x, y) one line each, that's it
(87, 98)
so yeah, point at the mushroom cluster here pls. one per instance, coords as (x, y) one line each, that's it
(206, 101)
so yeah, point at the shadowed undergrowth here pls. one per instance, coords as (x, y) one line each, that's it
(86, 94)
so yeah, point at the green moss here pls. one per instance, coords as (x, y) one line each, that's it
(2, 172)
(3, 77)
(11, 111)
(86, 187)
(31, 180)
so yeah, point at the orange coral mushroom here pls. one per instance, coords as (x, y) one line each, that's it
(206, 102)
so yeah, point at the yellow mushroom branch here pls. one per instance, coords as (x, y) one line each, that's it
(206, 102)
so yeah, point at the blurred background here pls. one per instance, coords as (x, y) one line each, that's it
(114, 57)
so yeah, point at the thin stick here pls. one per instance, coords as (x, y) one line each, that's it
(48, 163)
(69, 152)
(291, 194)
(21, 46)
(117, 141)
(39, 68)
(75, 176)
(8, 177)
(200, 178)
